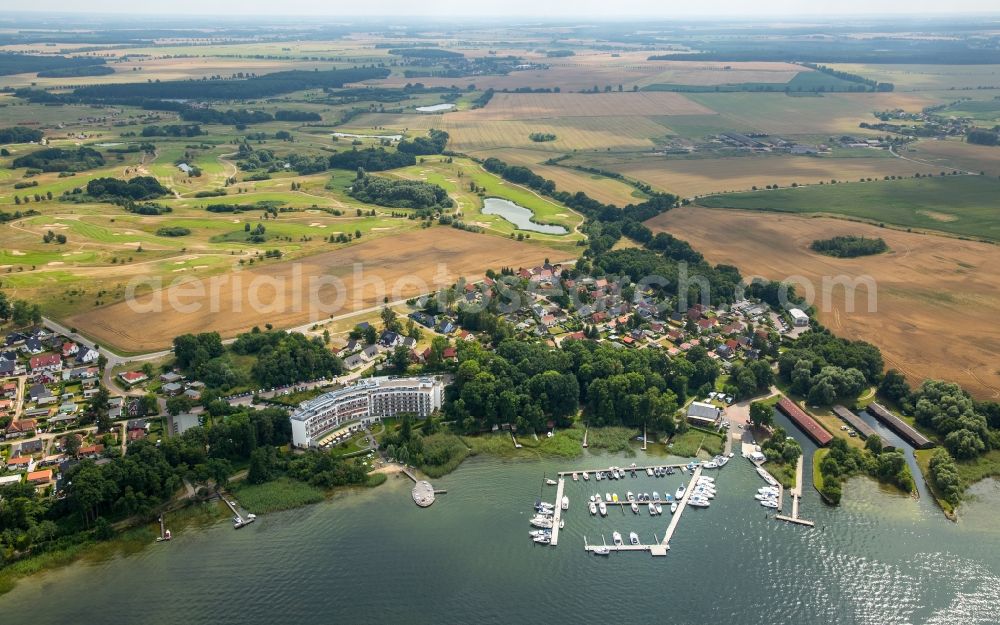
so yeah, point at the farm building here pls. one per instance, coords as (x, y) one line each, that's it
(863, 429)
(799, 318)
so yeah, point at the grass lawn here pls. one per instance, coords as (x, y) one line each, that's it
(689, 443)
(960, 205)
(923, 458)
(818, 480)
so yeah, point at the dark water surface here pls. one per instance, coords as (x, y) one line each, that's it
(374, 557)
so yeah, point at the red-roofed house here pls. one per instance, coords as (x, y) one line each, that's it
(40, 478)
(132, 377)
(22, 427)
(46, 362)
(18, 463)
(91, 451)
(70, 349)
(449, 353)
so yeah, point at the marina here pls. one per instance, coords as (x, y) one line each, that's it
(796, 496)
(656, 547)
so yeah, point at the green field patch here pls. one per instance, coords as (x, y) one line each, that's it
(966, 203)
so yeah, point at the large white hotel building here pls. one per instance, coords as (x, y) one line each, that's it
(364, 402)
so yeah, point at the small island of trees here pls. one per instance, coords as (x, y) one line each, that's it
(541, 137)
(849, 246)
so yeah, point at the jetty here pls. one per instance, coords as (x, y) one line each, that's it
(557, 513)
(423, 492)
(629, 469)
(657, 548)
(796, 496)
(239, 520)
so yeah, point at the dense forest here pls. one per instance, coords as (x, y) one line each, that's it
(11, 63)
(122, 191)
(77, 70)
(432, 144)
(264, 86)
(20, 134)
(172, 130)
(61, 159)
(371, 159)
(399, 193)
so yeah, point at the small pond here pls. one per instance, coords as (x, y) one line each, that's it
(519, 216)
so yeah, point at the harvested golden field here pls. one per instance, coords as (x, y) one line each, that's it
(527, 106)
(958, 155)
(779, 114)
(586, 69)
(937, 301)
(287, 294)
(572, 133)
(690, 177)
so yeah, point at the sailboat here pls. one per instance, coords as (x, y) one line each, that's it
(603, 508)
(593, 508)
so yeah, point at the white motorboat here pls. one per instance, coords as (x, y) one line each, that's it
(540, 533)
(722, 460)
(550, 482)
(542, 540)
(597, 497)
(656, 496)
(593, 508)
(618, 539)
(541, 522)
(706, 478)
(649, 471)
(710, 464)
(586, 476)
(592, 499)
(598, 475)
(602, 551)
(652, 510)
(630, 495)
(575, 476)
(673, 507)
(659, 508)
(679, 494)
(635, 507)
(545, 513)
(769, 503)
(633, 538)
(564, 504)
(603, 508)
(698, 503)
(607, 497)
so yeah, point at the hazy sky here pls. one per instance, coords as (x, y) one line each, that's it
(536, 8)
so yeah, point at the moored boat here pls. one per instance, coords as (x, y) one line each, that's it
(593, 508)
(673, 507)
(635, 507)
(603, 508)
(633, 538)
(564, 504)
(617, 537)
(602, 551)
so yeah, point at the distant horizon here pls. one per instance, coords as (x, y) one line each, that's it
(517, 10)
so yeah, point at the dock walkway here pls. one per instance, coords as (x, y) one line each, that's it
(796, 495)
(656, 548)
(557, 515)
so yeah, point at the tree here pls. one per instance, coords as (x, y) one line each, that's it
(262, 465)
(874, 444)
(178, 404)
(761, 414)
(400, 358)
(71, 444)
(370, 335)
(894, 386)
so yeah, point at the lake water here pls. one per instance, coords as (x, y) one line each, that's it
(518, 215)
(435, 108)
(354, 136)
(373, 557)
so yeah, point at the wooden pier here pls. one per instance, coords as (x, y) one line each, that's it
(637, 469)
(796, 495)
(656, 548)
(557, 514)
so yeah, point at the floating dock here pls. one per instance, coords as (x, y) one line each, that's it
(637, 469)
(557, 513)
